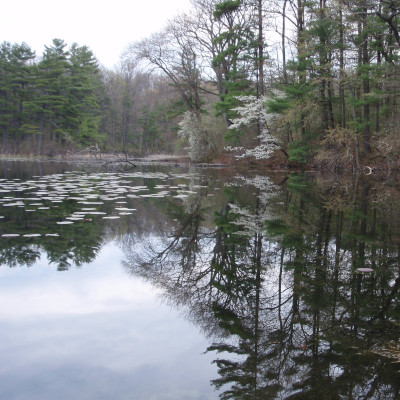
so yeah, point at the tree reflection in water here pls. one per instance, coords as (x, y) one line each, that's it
(276, 283)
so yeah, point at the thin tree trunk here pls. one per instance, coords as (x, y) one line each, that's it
(285, 78)
(260, 62)
(260, 51)
(40, 144)
(330, 104)
(341, 66)
(366, 84)
(300, 55)
(323, 70)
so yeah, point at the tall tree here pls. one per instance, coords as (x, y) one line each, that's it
(82, 115)
(52, 83)
(16, 76)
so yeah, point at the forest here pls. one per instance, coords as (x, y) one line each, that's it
(279, 83)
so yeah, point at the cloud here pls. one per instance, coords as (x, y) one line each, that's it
(106, 28)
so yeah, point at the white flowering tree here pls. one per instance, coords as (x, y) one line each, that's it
(253, 113)
(198, 132)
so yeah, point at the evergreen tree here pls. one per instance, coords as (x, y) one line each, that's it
(6, 114)
(236, 48)
(52, 81)
(82, 109)
(15, 69)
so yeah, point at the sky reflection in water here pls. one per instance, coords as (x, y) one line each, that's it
(294, 277)
(94, 333)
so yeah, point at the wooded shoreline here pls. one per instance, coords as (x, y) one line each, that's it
(231, 82)
(108, 159)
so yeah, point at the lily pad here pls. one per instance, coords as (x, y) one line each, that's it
(365, 270)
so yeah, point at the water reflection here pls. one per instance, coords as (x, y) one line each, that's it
(294, 279)
(66, 214)
(91, 333)
(297, 283)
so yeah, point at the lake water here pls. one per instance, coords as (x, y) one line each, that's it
(178, 283)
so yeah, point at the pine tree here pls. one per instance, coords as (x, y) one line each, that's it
(82, 117)
(237, 44)
(16, 69)
(6, 114)
(52, 80)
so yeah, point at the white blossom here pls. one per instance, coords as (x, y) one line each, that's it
(253, 112)
(189, 129)
(197, 131)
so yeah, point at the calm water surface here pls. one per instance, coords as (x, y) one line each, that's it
(159, 283)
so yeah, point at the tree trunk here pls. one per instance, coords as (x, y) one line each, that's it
(285, 78)
(366, 84)
(322, 66)
(300, 55)
(40, 144)
(341, 66)
(260, 51)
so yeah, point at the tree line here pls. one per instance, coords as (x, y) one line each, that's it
(53, 101)
(65, 101)
(291, 80)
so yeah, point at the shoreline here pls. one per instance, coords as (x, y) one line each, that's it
(182, 160)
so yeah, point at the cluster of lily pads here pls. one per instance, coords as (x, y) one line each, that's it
(89, 191)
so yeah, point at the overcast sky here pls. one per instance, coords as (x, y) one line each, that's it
(106, 27)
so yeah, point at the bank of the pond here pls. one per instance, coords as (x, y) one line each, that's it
(373, 164)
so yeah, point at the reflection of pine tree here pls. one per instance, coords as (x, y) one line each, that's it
(239, 309)
(77, 244)
(16, 254)
(301, 346)
(276, 282)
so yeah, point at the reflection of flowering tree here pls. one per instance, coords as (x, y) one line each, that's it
(279, 286)
(253, 221)
(313, 323)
